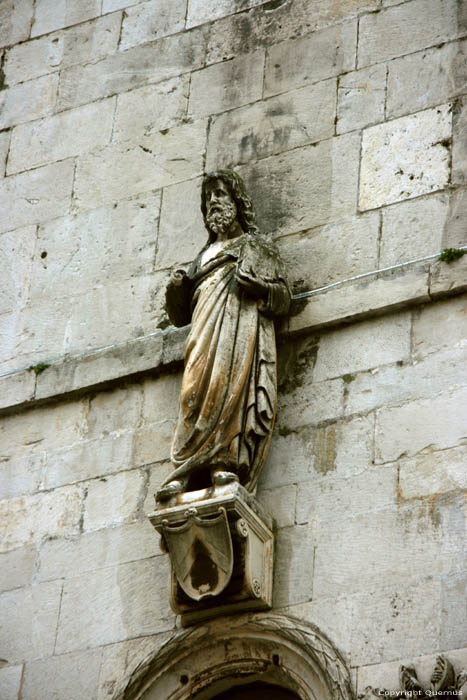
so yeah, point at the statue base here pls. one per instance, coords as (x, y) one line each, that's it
(220, 544)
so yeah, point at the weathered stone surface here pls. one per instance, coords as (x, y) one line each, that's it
(161, 398)
(361, 98)
(312, 58)
(10, 682)
(114, 411)
(200, 11)
(16, 255)
(398, 30)
(147, 21)
(368, 344)
(333, 252)
(4, 146)
(454, 235)
(279, 469)
(17, 388)
(448, 279)
(441, 326)
(182, 233)
(157, 475)
(280, 503)
(149, 109)
(70, 676)
(16, 568)
(90, 248)
(21, 475)
(426, 78)
(405, 158)
(294, 566)
(459, 148)
(226, 85)
(453, 615)
(397, 383)
(127, 70)
(55, 14)
(434, 473)
(70, 133)
(363, 298)
(29, 620)
(33, 58)
(114, 604)
(305, 187)
(297, 118)
(115, 172)
(436, 423)
(93, 551)
(322, 401)
(15, 21)
(38, 195)
(31, 100)
(413, 229)
(28, 519)
(152, 444)
(113, 499)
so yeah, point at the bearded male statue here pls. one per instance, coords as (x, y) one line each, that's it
(232, 293)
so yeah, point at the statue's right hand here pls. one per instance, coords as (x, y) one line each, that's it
(177, 277)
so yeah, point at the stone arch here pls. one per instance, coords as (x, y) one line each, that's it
(201, 662)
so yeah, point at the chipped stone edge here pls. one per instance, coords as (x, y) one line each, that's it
(163, 351)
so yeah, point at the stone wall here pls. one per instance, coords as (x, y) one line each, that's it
(347, 120)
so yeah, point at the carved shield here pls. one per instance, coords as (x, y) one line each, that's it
(201, 553)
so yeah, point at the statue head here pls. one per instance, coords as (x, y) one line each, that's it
(226, 203)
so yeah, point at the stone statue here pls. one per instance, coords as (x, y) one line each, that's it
(232, 293)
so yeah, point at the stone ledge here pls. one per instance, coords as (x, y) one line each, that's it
(162, 351)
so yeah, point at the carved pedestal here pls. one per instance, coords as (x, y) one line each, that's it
(220, 544)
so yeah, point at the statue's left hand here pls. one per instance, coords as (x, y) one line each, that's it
(252, 285)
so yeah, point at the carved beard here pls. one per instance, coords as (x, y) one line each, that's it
(220, 220)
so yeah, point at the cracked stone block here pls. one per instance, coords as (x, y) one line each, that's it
(15, 21)
(361, 98)
(405, 158)
(30, 100)
(200, 11)
(54, 14)
(147, 21)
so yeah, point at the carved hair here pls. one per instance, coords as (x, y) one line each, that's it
(245, 214)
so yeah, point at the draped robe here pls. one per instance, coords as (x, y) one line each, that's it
(229, 388)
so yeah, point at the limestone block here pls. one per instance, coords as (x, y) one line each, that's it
(54, 14)
(28, 519)
(151, 20)
(70, 676)
(88, 460)
(113, 499)
(31, 100)
(398, 30)
(394, 623)
(311, 405)
(16, 255)
(161, 398)
(453, 614)
(293, 566)
(29, 620)
(182, 233)
(114, 411)
(441, 326)
(454, 234)
(363, 298)
(152, 444)
(4, 146)
(305, 187)
(434, 473)
(17, 388)
(436, 423)
(40, 429)
(333, 252)
(114, 604)
(367, 344)
(448, 279)
(413, 229)
(15, 21)
(150, 109)
(157, 475)
(17, 568)
(361, 98)
(226, 85)
(70, 133)
(32, 59)
(280, 502)
(200, 11)
(21, 475)
(417, 379)
(426, 78)
(149, 63)
(320, 55)
(112, 5)
(297, 118)
(333, 497)
(405, 158)
(10, 682)
(67, 558)
(280, 470)
(35, 196)
(115, 172)
(459, 148)
(90, 248)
